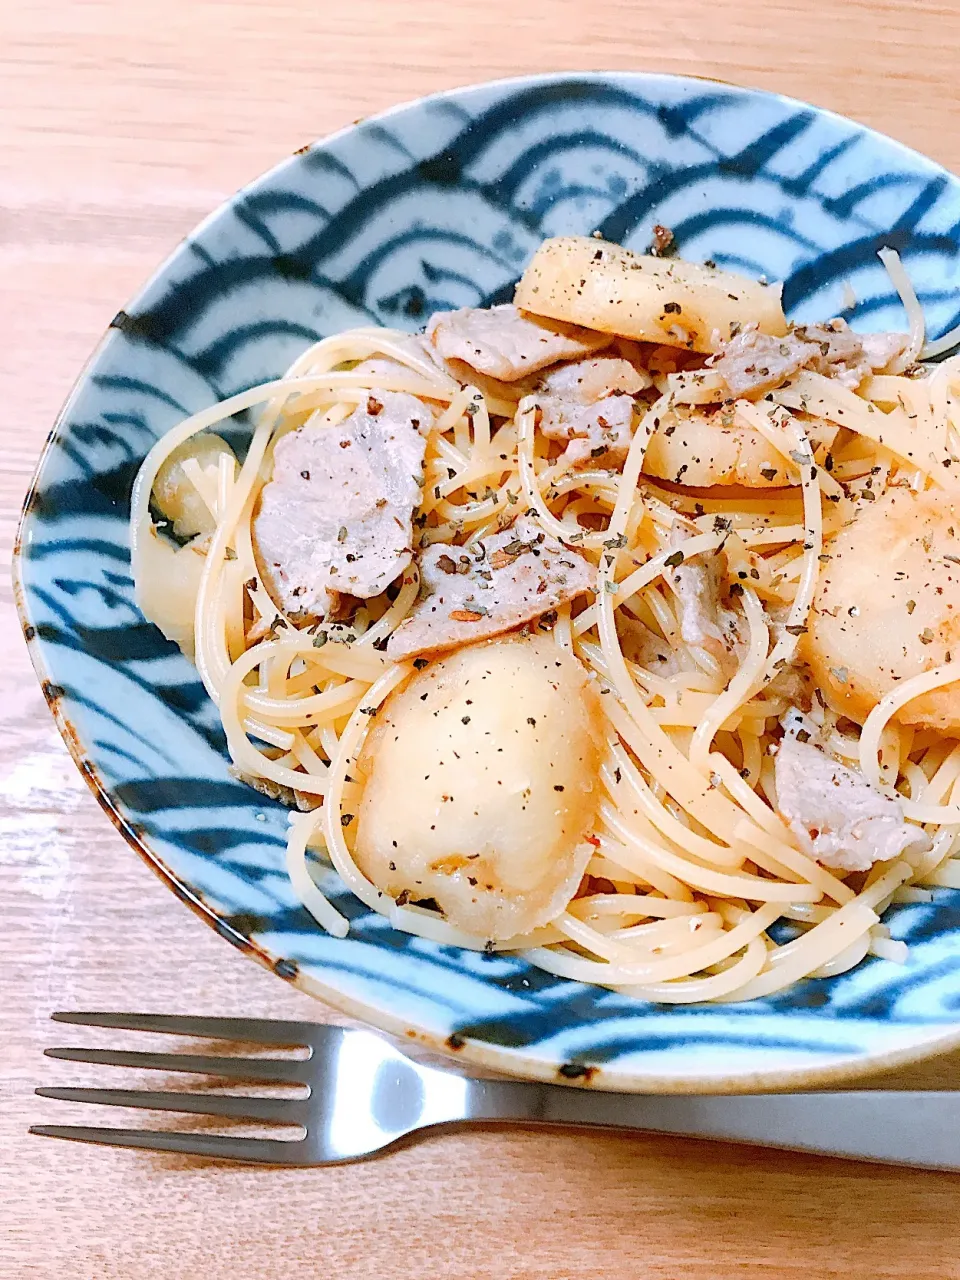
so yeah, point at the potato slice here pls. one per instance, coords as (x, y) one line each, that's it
(168, 582)
(888, 607)
(483, 785)
(602, 286)
(174, 492)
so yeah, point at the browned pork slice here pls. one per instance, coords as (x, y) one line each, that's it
(696, 586)
(753, 363)
(506, 343)
(836, 815)
(879, 349)
(422, 357)
(703, 621)
(645, 648)
(589, 403)
(847, 356)
(498, 583)
(337, 515)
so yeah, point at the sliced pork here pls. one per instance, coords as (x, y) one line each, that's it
(589, 403)
(753, 363)
(415, 346)
(337, 515)
(507, 344)
(847, 356)
(644, 647)
(498, 583)
(837, 816)
(704, 623)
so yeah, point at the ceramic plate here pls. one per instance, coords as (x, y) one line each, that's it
(439, 204)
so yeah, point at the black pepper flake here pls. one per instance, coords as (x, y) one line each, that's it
(305, 475)
(464, 719)
(673, 560)
(531, 720)
(768, 473)
(557, 787)
(420, 663)
(346, 819)
(374, 406)
(796, 631)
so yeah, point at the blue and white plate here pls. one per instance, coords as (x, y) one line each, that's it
(440, 204)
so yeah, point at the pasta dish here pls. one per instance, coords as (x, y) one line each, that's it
(618, 626)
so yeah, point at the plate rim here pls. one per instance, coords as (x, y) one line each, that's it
(512, 1062)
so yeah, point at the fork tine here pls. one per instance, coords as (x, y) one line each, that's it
(290, 1110)
(249, 1150)
(251, 1030)
(200, 1064)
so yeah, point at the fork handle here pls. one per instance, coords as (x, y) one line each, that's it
(911, 1128)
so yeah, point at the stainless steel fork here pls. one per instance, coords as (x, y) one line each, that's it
(364, 1094)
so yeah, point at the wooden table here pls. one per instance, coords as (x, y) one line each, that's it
(122, 122)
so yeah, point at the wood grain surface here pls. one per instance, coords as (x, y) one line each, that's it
(122, 122)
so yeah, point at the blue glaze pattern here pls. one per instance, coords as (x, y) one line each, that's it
(439, 204)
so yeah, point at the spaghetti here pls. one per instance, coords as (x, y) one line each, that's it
(697, 887)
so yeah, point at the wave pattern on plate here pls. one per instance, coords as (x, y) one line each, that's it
(438, 205)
